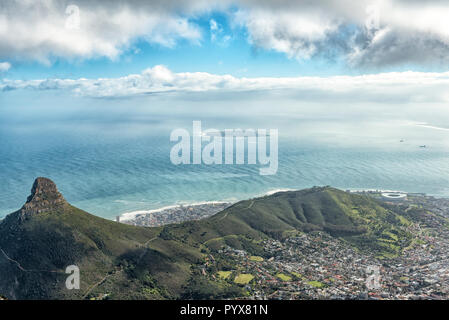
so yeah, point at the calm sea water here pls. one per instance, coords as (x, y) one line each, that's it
(110, 169)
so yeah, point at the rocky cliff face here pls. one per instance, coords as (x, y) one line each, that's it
(44, 197)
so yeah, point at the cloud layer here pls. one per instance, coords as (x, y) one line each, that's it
(365, 33)
(40, 30)
(398, 87)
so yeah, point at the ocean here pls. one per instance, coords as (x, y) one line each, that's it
(120, 167)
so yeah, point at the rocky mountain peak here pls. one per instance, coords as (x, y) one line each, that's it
(44, 197)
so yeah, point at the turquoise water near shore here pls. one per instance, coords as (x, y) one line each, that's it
(116, 168)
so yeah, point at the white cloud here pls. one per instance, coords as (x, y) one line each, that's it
(398, 87)
(298, 34)
(40, 30)
(366, 33)
(4, 66)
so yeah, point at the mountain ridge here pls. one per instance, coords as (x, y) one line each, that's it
(47, 234)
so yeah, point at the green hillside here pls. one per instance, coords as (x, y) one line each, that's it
(359, 219)
(40, 240)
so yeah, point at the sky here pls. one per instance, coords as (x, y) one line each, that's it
(375, 51)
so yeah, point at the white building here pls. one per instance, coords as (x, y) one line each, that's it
(394, 196)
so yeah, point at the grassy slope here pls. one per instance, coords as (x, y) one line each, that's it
(47, 243)
(359, 219)
(157, 263)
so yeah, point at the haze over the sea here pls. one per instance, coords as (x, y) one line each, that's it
(109, 162)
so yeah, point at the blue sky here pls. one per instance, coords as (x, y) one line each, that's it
(147, 47)
(236, 57)
(250, 39)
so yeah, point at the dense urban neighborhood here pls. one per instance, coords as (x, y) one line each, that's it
(316, 265)
(176, 214)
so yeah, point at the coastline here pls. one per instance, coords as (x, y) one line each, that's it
(198, 210)
(128, 216)
(131, 215)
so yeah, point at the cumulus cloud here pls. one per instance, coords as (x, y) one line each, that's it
(298, 34)
(40, 30)
(398, 87)
(4, 66)
(365, 33)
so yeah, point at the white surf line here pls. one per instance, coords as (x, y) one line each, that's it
(127, 216)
